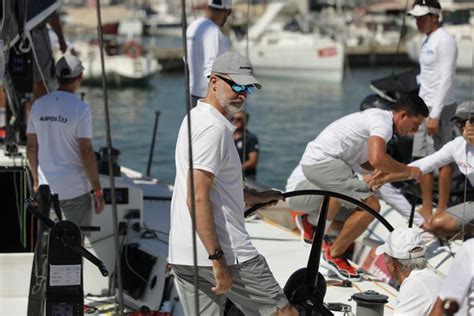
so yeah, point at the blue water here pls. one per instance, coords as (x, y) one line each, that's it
(285, 115)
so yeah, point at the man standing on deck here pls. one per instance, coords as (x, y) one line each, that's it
(327, 164)
(59, 146)
(246, 144)
(228, 263)
(205, 42)
(438, 57)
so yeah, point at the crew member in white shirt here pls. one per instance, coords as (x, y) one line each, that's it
(228, 263)
(461, 151)
(438, 57)
(404, 255)
(327, 164)
(59, 146)
(457, 293)
(205, 41)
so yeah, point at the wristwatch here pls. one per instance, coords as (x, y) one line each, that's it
(97, 192)
(217, 255)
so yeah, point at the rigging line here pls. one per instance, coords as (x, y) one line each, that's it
(109, 160)
(190, 154)
(463, 228)
(402, 35)
(247, 30)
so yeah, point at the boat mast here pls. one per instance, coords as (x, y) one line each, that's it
(109, 161)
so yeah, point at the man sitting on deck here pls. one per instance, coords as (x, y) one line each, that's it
(404, 255)
(356, 139)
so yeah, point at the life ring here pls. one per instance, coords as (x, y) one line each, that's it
(132, 49)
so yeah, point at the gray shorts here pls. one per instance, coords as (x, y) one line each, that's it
(78, 210)
(337, 176)
(311, 204)
(424, 145)
(463, 215)
(254, 289)
(44, 53)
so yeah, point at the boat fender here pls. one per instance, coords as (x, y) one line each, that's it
(132, 49)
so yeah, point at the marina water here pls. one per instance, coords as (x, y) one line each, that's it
(285, 115)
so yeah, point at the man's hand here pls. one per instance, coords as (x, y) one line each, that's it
(99, 203)
(375, 180)
(432, 126)
(222, 276)
(270, 197)
(414, 173)
(468, 133)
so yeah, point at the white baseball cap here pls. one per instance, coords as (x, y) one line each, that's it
(220, 4)
(423, 9)
(400, 244)
(69, 66)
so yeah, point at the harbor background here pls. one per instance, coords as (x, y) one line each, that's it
(284, 114)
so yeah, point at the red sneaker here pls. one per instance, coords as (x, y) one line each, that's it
(340, 266)
(306, 229)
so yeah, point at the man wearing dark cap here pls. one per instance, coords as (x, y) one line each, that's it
(205, 42)
(460, 151)
(228, 263)
(438, 56)
(59, 146)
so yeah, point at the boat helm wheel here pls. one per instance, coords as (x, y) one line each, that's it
(303, 297)
(132, 49)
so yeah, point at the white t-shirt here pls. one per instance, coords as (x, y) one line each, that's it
(456, 150)
(459, 283)
(345, 139)
(59, 119)
(438, 56)
(205, 42)
(418, 293)
(213, 151)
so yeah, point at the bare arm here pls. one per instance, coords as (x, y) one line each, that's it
(252, 162)
(90, 167)
(381, 161)
(32, 155)
(55, 24)
(206, 229)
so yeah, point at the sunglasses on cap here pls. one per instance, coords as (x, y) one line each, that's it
(461, 123)
(238, 88)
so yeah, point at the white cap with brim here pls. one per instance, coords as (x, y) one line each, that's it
(420, 10)
(237, 67)
(68, 66)
(401, 244)
(220, 4)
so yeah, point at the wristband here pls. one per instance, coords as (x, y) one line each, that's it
(97, 193)
(216, 255)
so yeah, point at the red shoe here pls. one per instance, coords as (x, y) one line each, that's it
(340, 266)
(306, 229)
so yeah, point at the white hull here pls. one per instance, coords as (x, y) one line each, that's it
(277, 52)
(119, 69)
(298, 56)
(282, 248)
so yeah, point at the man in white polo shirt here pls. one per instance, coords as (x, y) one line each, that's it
(438, 57)
(327, 164)
(228, 264)
(59, 146)
(205, 42)
(404, 255)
